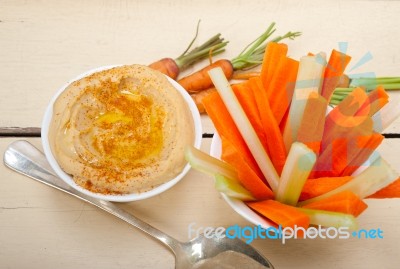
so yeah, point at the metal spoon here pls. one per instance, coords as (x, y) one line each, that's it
(200, 252)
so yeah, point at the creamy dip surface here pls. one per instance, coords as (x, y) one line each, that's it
(121, 130)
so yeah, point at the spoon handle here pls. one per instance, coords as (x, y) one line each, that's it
(23, 157)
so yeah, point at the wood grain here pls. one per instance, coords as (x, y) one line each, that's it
(54, 230)
(44, 44)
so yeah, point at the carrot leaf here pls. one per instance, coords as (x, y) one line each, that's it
(252, 55)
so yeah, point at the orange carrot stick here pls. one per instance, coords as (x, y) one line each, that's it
(318, 186)
(199, 97)
(335, 155)
(376, 100)
(346, 154)
(200, 80)
(281, 214)
(247, 177)
(342, 118)
(312, 124)
(276, 147)
(360, 152)
(390, 191)
(334, 70)
(245, 75)
(344, 202)
(273, 55)
(226, 127)
(281, 88)
(247, 100)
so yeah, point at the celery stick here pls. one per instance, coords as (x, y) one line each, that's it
(308, 80)
(225, 175)
(330, 219)
(389, 83)
(245, 127)
(232, 188)
(297, 168)
(205, 163)
(386, 116)
(374, 178)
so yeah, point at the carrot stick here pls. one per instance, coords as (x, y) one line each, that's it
(283, 122)
(200, 80)
(282, 86)
(308, 80)
(334, 70)
(274, 54)
(390, 191)
(281, 214)
(334, 155)
(275, 145)
(247, 100)
(377, 176)
(199, 97)
(376, 100)
(318, 186)
(312, 125)
(360, 152)
(245, 174)
(226, 127)
(246, 129)
(342, 118)
(245, 75)
(343, 202)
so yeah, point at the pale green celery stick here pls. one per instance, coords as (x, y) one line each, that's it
(225, 176)
(205, 163)
(246, 129)
(369, 84)
(232, 188)
(308, 80)
(330, 219)
(377, 176)
(298, 166)
(384, 117)
(389, 83)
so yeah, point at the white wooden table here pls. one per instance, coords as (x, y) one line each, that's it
(43, 44)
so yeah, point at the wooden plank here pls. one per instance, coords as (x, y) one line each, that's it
(44, 44)
(53, 230)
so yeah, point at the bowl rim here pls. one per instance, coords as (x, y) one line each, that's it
(126, 197)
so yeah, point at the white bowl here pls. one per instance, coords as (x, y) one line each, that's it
(127, 197)
(246, 212)
(239, 206)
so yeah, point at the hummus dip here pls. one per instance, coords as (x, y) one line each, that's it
(121, 130)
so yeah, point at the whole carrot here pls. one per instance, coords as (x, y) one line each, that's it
(251, 56)
(173, 67)
(167, 66)
(200, 80)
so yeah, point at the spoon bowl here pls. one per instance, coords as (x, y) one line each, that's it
(200, 252)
